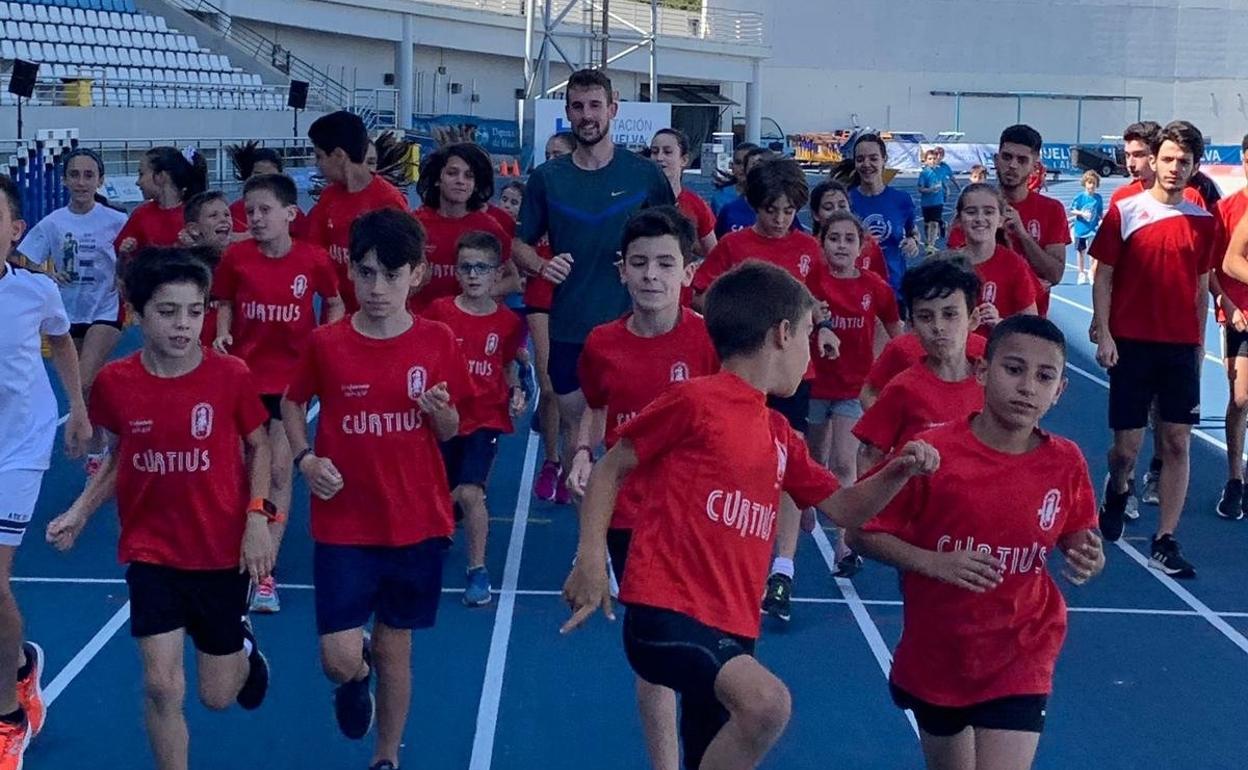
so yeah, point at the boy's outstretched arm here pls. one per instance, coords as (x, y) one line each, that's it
(853, 506)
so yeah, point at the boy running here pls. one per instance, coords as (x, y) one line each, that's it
(712, 461)
(939, 296)
(187, 425)
(265, 314)
(1087, 209)
(626, 365)
(209, 227)
(1150, 295)
(388, 384)
(30, 306)
(490, 336)
(1232, 294)
(983, 619)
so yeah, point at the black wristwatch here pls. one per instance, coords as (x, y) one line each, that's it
(299, 457)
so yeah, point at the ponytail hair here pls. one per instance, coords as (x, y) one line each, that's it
(187, 170)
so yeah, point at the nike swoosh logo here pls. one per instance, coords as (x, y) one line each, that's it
(618, 194)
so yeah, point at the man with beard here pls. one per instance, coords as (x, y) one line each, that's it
(581, 202)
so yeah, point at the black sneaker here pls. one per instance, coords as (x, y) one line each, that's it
(1132, 511)
(1113, 512)
(1168, 559)
(257, 683)
(778, 600)
(849, 565)
(1231, 504)
(353, 703)
(383, 764)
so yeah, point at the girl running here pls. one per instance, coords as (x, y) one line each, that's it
(670, 150)
(1007, 284)
(167, 179)
(831, 196)
(886, 212)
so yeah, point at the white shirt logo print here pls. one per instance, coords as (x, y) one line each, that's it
(1049, 509)
(201, 421)
(300, 286)
(416, 377)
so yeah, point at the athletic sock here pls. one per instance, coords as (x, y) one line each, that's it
(782, 566)
(16, 718)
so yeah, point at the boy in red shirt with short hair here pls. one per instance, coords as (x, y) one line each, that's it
(187, 426)
(626, 364)
(490, 335)
(388, 385)
(340, 142)
(940, 296)
(712, 461)
(265, 315)
(984, 621)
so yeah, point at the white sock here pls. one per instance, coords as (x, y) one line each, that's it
(782, 566)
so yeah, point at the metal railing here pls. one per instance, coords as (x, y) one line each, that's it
(105, 92)
(323, 91)
(378, 107)
(719, 25)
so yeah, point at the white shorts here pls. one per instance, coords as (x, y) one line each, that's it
(19, 491)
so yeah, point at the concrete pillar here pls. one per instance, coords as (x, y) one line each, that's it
(405, 71)
(754, 104)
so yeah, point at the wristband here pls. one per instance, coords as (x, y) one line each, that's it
(825, 324)
(584, 448)
(266, 509)
(299, 457)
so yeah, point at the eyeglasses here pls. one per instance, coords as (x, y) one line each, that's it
(475, 268)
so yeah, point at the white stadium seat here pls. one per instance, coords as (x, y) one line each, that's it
(41, 13)
(93, 19)
(7, 49)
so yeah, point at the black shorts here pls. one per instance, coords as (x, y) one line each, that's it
(564, 358)
(209, 604)
(78, 331)
(469, 458)
(618, 541)
(935, 214)
(1024, 713)
(795, 408)
(273, 405)
(1081, 244)
(401, 585)
(675, 651)
(1236, 342)
(1168, 372)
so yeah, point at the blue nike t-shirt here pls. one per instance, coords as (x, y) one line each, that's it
(888, 216)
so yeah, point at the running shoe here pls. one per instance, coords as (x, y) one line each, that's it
(256, 686)
(547, 484)
(354, 705)
(30, 688)
(563, 495)
(778, 600)
(1132, 511)
(14, 738)
(849, 565)
(1150, 495)
(1168, 558)
(1112, 514)
(477, 591)
(1231, 505)
(264, 598)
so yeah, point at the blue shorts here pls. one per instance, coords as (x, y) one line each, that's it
(469, 458)
(822, 409)
(564, 358)
(401, 585)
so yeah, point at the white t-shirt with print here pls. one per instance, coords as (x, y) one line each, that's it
(30, 305)
(81, 248)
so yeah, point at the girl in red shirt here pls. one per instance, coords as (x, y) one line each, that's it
(832, 196)
(167, 178)
(670, 150)
(1007, 284)
(983, 619)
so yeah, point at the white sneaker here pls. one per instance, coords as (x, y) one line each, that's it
(1081, 279)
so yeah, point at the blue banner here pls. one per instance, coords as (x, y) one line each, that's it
(498, 137)
(1056, 156)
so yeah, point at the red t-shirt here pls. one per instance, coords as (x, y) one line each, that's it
(329, 224)
(1035, 180)
(238, 211)
(1230, 210)
(855, 304)
(713, 460)
(697, 212)
(1045, 220)
(150, 225)
(1006, 280)
(957, 647)
(916, 400)
(906, 350)
(872, 257)
(796, 252)
(1135, 187)
(539, 292)
(395, 490)
(272, 304)
(442, 233)
(1158, 253)
(182, 489)
(622, 373)
(208, 334)
(504, 220)
(489, 343)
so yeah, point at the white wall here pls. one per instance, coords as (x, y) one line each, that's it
(1185, 57)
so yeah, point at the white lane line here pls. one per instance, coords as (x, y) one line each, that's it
(75, 666)
(1073, 266)
(1185, 596)
(1080, 306)
(883, 656)
(496, 662)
